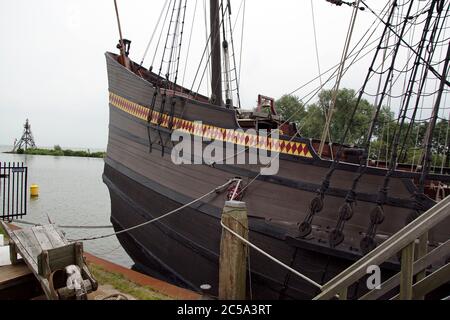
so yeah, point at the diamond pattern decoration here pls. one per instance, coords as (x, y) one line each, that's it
(210, 132)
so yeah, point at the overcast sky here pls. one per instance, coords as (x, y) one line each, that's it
(53, 68)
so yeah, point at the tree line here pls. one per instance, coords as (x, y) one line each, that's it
(57, 151)
(311, 122)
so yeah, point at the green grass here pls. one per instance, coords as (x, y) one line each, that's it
(57, 151)
(6, 238)
(120, 283)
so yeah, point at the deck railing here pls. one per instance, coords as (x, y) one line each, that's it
(412, 237)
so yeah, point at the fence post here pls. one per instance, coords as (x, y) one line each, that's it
(233, 252)
(422, 250)
(343, 294)
(406, 273)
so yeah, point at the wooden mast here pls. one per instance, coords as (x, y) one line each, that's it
(216, 60)
(123, 56)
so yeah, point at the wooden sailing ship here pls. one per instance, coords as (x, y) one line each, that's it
(318, 214)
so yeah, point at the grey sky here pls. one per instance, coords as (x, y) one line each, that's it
(53, 70)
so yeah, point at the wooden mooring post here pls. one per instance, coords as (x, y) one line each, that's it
(233, 252)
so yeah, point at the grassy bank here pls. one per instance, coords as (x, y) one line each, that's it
(5, 238)
(57, 151)
(123, 285)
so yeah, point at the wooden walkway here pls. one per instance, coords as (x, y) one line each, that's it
(17, 282)
(12, 273)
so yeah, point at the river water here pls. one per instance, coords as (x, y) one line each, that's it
(71, 192)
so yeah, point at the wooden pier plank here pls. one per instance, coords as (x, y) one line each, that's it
(12, 273)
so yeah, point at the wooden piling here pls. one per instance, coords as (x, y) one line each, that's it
(233, 252)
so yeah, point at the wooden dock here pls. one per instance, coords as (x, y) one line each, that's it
(17, 282)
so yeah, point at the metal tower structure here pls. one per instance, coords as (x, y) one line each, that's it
(27, 140)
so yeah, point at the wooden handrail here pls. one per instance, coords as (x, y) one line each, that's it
(387, 249)
(429, 283)
(420, 265)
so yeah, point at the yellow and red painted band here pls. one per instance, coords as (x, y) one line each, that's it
(205, 131)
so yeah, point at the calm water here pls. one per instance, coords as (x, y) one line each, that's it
(71, 192)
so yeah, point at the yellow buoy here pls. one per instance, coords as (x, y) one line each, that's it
(34, 190)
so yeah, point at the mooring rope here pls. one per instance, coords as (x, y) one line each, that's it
(62, 226)
(215, 190)
(271, 257)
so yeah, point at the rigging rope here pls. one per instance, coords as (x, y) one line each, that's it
(432, 69)
(339, 78)
(181, 42)
(377, 216)
(208, 40)
(167, 38)
(242, 42)
(160, 35)
(154, 32)
(317, 203)
(351, 53)
(317, 90)
(213, 86)
(234, 69)
(208, 75)
(189, 45)
(422, 87)
(316, 43)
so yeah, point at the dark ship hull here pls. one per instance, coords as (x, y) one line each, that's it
(183, 248)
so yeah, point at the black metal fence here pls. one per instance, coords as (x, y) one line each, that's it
(13, 190)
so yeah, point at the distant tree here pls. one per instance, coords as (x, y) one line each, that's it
(290, 107)
(345, 104)
(311, 123)
(312, 120)
(57, 148)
